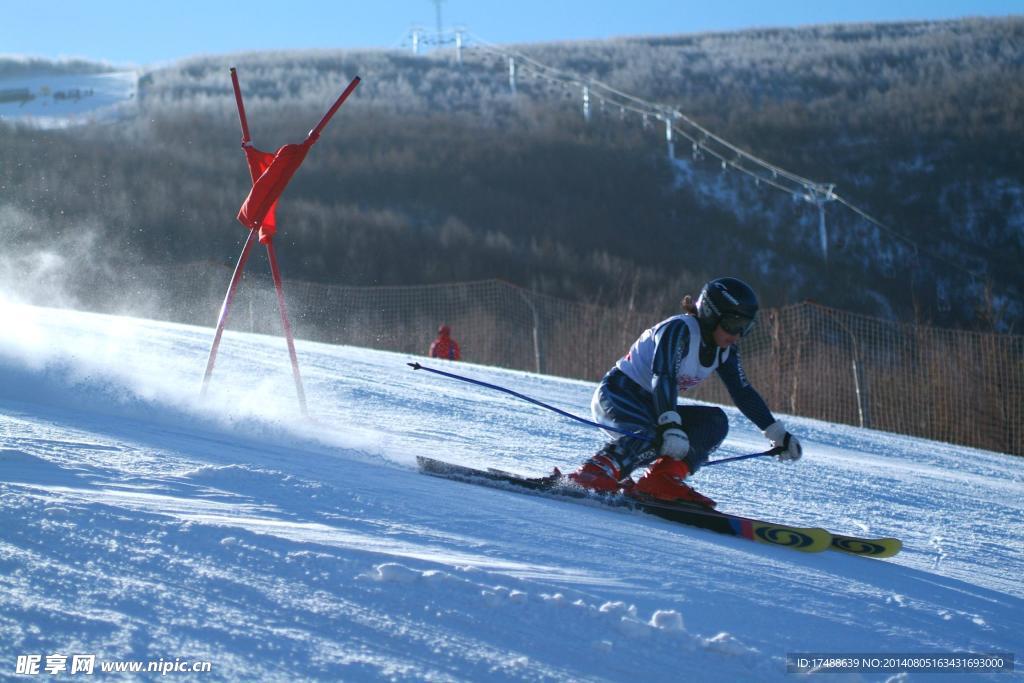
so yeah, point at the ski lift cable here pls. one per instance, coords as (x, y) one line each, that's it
(644, 107)
(651, 108)
(917, 249)
(647, 108)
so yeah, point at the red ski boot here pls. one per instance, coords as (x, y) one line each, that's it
(664, 481)
(600, 474)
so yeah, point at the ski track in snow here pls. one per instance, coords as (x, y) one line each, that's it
(139, 523)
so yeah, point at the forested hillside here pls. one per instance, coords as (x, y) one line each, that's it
(435, 171)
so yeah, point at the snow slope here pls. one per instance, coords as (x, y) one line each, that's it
(138, 523)
(63, 100)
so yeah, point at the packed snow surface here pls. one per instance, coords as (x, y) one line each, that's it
(140, 523)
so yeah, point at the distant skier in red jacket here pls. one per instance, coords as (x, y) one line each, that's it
(444, 346)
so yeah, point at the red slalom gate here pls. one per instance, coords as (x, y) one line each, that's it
(271, 173)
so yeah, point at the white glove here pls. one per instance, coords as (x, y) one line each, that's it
(777, 434)
(672, 440)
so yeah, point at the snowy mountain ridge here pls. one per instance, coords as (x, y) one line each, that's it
(912, 121)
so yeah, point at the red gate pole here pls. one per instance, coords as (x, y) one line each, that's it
(315, 132)
(275, 271)
(225, 309)
(241, 107)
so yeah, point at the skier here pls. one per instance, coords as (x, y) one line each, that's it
(444, 346)
(640, 392)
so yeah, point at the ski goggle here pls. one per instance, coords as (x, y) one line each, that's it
(736, 324)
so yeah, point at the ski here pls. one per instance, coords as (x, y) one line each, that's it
(805, 539)
(854, 545)
(870, 547)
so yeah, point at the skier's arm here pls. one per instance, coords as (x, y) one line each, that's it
(753, 406)
(673, 343)
(743, 394)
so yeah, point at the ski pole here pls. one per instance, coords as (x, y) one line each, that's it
(635, 435)
(452, 375)
(770, 451)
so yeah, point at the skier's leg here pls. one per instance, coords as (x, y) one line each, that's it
(618, 402)
(622, 403)
(706, 427)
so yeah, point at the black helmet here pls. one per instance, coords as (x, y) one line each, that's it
(727, 302)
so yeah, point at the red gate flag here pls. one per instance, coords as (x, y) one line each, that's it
(272, 172)
(270, 175)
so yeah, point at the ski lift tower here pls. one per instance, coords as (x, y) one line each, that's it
(821, 195)
(437, 10)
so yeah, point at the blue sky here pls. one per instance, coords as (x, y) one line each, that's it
(144, 32)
